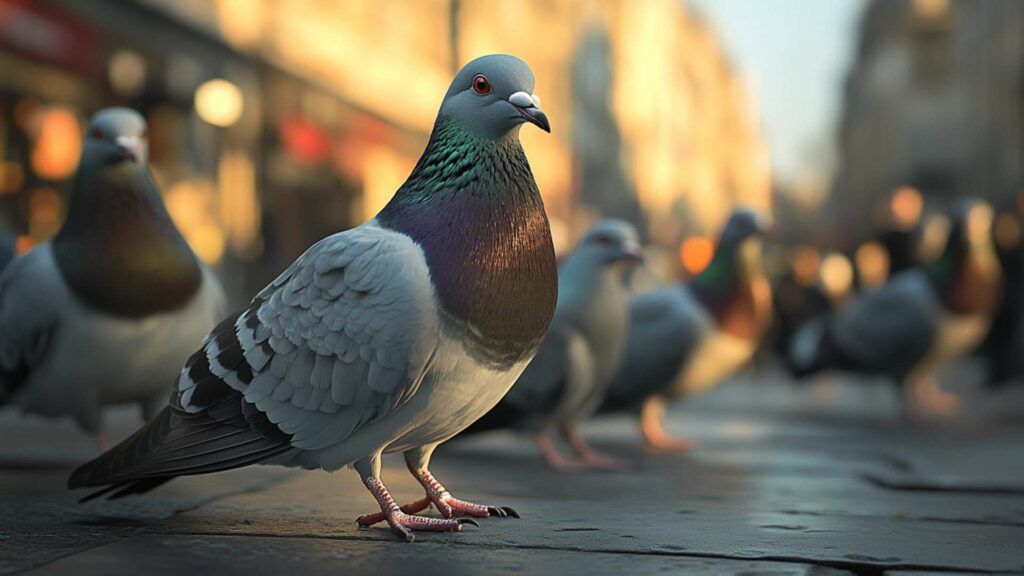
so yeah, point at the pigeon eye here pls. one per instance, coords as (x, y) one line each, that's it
(481, 85)
(96, 133)
(603, 240)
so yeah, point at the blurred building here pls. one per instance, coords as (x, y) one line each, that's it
(278, 122)
(935, 100)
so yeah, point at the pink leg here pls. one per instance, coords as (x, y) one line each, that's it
(553, 458)
(653, 428)
(591, 458)
(449, 506)
(402, 523)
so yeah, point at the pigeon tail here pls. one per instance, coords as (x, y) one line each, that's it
(173, 444)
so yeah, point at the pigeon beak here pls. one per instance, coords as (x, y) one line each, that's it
(633, 253)
(528, 106)
(131, 146)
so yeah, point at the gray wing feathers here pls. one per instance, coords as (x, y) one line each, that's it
(888, 327)
(28, 315)
(665, 328)
(339, 339)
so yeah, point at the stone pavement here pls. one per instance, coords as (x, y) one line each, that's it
(820, 480)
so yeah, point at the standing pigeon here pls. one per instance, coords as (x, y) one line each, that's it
(107, 311)
(390, 337)
(686, 338)
(918, 322)
(568, 379)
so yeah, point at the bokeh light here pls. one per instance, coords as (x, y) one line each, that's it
(219, 102)
(872, 261)
(836, 276)
(696, 253)
(58, 143)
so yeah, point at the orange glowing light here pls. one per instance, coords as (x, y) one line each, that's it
(872, 261)
(836, 275)
(58, 144)
(806, 262)
(906, 206)
(696, 253)
(24, 243)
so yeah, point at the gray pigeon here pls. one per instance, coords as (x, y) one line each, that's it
(107, 311)
(685, 338)
(568, 379)
(918, 322)
(390, 337)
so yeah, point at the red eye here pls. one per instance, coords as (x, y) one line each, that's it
(96, 133)
(481, 86)
(603, 240)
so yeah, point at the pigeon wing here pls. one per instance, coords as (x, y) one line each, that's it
(665, 327)
(29, 316)
(342, 338)
(889, 329)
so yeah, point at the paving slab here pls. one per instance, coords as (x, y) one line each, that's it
(163, 555)
(777, 486)
(319, 505)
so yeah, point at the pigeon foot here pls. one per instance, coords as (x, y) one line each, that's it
(935, 401)
(590, 458)
(450, 507)
(554, 459)
(652, 428)
(403, 523)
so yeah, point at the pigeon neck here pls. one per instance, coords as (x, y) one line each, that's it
(713, 286)
(473, 207)
(119, 250)
(585, 286)
(739, 301)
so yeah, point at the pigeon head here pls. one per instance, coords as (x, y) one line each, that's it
(116, 135)
(742, 224)
(610, 242)
(493, 95)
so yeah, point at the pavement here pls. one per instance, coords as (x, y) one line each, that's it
(786, 480)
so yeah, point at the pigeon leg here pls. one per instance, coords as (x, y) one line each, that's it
(418, 460)
(553, 458)
(932, 399)
(652, 427)
(401, 523)
(588, 456)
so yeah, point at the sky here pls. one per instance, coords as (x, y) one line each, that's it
(794, 56)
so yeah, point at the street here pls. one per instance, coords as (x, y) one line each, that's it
(786, 480)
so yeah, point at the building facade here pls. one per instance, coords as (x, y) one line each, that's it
(935, 100)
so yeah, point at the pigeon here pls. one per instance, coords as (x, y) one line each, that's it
(393, 336)
(567, 380)
(685, 338)
(106, 312)
(918, 322)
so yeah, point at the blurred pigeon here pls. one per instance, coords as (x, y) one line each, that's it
(568, 379)
(686, 338)
(918, 322)
(390, 337)
(107, 311)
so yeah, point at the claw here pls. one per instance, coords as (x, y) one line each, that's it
(469, 521)
(502, 511)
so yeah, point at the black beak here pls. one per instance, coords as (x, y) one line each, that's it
(536, 116)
